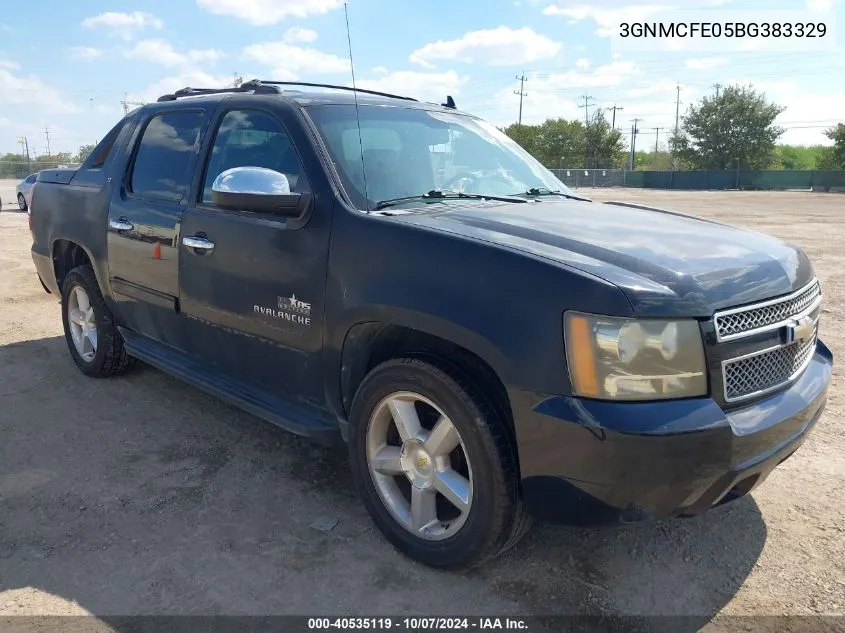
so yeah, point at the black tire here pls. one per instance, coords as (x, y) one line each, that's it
(21, 202)
(110, 358)
(497, 518)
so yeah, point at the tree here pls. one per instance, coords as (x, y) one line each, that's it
(737, 125)
(60, 158)
(560, 143)
(84, 151)
(834, 157)
(797, 156)
(654, 161)
(604, 145)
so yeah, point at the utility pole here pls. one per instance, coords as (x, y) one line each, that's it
(521, 94)
(677, 109)
(717, 87)
(634, 131)
(614, 108)
(126, 103)
(586, 106)
(47, 134)
(24, 143)
(656, 136)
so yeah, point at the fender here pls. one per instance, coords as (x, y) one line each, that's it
(359, 329)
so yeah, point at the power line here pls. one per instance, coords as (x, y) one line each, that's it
(521, 93)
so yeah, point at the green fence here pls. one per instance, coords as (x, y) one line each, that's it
(771, 179)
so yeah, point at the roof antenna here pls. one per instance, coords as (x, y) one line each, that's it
(357, 114)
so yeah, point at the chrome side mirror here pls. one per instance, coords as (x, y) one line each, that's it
(256, 189)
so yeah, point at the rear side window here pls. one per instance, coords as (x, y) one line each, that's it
(169, 143)
(31, 179)
(100, 154)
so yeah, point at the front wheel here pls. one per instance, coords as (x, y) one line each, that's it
(21, 202)
(434, 465)
(90, 331)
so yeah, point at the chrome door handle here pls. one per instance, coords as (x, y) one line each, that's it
(198, 242)
(121, 225)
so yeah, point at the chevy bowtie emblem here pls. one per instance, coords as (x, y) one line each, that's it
(800, 329)
(422, 462)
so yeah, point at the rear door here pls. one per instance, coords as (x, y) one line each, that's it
(144, 219)
(256, 297)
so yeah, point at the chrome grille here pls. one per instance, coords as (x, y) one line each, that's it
(766, 370)
(768, 315)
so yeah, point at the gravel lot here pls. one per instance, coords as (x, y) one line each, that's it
(142, 495)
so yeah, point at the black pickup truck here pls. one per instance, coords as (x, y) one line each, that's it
(402, 276)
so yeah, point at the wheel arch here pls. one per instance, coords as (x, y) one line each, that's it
(368, 344)
(67, 255)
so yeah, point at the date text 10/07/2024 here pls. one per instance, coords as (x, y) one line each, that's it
(419, 624)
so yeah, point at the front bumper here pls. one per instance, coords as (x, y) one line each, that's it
(590, 462)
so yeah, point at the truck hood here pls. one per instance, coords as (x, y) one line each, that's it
(666, 263)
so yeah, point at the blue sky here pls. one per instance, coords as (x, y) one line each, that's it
(66, 65)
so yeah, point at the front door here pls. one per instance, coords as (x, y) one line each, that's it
(255, 295)
(143, 223)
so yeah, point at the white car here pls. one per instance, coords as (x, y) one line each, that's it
(24, 191)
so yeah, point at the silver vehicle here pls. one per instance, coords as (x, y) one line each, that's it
(24, 191)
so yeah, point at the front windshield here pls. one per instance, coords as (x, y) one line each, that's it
(410, 151)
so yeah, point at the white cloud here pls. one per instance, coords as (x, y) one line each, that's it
(84, 53)
(9, 65)
(123, 25)
(502, 46)
(4, 120)
(168, 85)
(298, 34)
(295, 59)
(30, 90)
(380, 70)
(583, 63)
(820, 5)
(706, 63)
(419, 85)
(161, 52)
(608, 19)
(266, 12)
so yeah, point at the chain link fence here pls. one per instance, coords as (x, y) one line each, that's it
(748, 180)
(18, 170)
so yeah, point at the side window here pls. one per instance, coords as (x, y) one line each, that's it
(248, 138)
(99, 154)
(160, 169)
(31, 179)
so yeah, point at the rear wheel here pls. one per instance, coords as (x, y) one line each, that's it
(434, 465)
(90, 331)
(21, 202)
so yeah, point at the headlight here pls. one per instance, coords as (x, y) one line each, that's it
(630, 359)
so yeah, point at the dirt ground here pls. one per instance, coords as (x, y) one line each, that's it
(142, 495)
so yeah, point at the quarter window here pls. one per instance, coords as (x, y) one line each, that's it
(248, 138)
(164, 156)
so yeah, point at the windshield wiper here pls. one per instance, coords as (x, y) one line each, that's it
(536, 192)
(437, 194)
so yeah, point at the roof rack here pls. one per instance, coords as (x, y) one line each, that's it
(248, 86)
(334, 87)
(258, 86)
